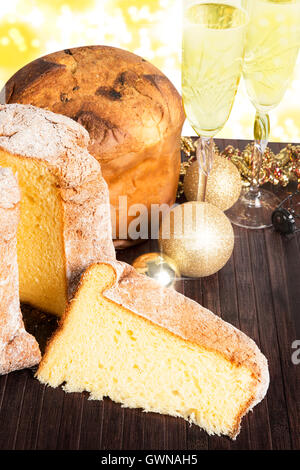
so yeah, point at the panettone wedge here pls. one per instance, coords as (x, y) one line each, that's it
(125, 337)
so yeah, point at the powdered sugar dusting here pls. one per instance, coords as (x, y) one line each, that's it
(9, 190)
(40, 134)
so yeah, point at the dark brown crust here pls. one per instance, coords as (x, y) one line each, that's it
(20, 353)
(28, 76)
(193, 324)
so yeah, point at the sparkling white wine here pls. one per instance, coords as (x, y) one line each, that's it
(273, 40)
(213, 52)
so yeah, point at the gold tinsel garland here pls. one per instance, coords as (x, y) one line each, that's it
(277, 169)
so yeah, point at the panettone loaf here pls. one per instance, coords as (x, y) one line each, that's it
(18, 349)
(125, 337)
(65, 218)
(132, 112)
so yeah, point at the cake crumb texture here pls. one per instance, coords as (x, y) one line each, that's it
(144, 346)
(132, 111)
(65, 215)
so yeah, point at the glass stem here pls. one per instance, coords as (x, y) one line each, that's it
(205, 158)
(261, 138)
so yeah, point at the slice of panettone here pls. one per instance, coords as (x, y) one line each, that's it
(125, 337)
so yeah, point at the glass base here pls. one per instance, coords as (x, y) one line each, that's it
(254, 211)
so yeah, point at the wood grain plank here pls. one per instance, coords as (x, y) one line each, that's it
(30, 415)
(133, 430)
(70, 423)
(3, 380)
(175, 438)
(259, 426)
(47, 438)
(285, 323)
(91, 425)
(11, 409)
(112, 426)
(269, 340)
(154, 432)
(292, 270)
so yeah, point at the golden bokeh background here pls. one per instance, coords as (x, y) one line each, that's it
(151, 28)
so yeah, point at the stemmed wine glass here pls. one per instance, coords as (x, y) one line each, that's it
(214, 36)
(272, 45)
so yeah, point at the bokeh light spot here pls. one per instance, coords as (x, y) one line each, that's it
(17, 44)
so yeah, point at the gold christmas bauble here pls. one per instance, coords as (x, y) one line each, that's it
(223, 187)
(159, 267)
(198, 237)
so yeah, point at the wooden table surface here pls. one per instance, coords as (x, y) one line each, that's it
(258, 291)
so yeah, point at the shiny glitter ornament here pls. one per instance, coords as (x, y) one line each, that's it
(159, 267)
(223, 187)
(198, 237)
(277, 169)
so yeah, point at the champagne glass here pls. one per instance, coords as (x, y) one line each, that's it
(273, 38)
(213, 50)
